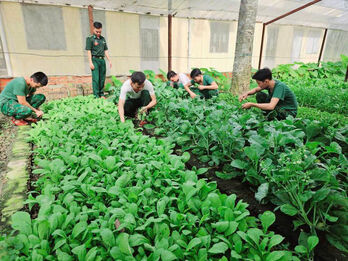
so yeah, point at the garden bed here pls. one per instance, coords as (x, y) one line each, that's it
(245, 192)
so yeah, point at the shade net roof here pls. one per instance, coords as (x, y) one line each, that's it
(331, 14)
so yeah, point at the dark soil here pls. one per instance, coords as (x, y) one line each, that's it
(34, 211)
(283, 224)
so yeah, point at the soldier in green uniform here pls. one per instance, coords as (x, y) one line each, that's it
(203, 85)
(18, 99)
(97, 48)
(278, 103)
(177, 80)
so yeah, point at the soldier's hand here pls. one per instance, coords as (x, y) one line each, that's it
(38, 113)
(91, 65)
(143, 109)
(247, 105)
(201, 87)
(243, 97)
(193, 95)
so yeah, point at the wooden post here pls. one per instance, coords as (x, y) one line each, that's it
(169, 42)
(90, 16)
(346, 79)
(262, 40)
(322, 46)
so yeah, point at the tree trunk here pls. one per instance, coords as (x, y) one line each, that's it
(244, 47)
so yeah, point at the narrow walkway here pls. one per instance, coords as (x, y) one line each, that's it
(14, 180)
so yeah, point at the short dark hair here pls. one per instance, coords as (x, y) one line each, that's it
(40, 77)
(97, 25)
(170, 74)
(195, 72)
(263, 74)
(138, 77)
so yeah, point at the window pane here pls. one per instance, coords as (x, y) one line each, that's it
(44, 27)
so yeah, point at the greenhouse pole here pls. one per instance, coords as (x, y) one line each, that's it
(322, 46)
(90, 17)
(169, 42)
(244, 47)
(170, 35)
(278, 18)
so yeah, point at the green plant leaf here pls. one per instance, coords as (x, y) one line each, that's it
(107, 237)
(275, 240)
(78, 229)
(201, 171)
(123, 242)
(218, 248)
(262, 191)
(312, 242)
(137, 240)
(239, 164)
(267, 219)
(275, 255)
(167, 255)
(80, 251)
(91, 254)
(301, 249)
(288, 209)
(193, 243)
(21, 221)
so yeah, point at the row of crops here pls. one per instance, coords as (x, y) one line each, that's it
(107, 192)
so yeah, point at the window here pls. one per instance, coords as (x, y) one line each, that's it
(335, 45)
(296, 44)
(44, 27)
(219, 36)
(271, 45)
(149, 42)
(3, 68)
(149, 46)
(313, 42)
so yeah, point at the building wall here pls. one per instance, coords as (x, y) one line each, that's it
(292, 44)
(53, 62)
(201, 55)
(123, 41)
(123, 34)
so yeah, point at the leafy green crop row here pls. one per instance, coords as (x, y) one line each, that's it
(107, 192)
(305, 71)
(325, 118)
(329, 100)
(299, 165)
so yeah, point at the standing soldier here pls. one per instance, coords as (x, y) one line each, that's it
(97, 48)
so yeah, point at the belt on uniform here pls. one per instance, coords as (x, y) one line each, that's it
(98, 57)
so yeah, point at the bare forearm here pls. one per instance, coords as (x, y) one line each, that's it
(25, 103)
(151, 104)
(187, 88)
(211, 87)
(89, 56)
(253, 91)
(121, 111)
(263, 106)
(107, 55)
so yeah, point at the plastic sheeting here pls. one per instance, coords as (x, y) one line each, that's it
(331, 14)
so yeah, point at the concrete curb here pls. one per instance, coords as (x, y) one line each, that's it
(14, 189)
